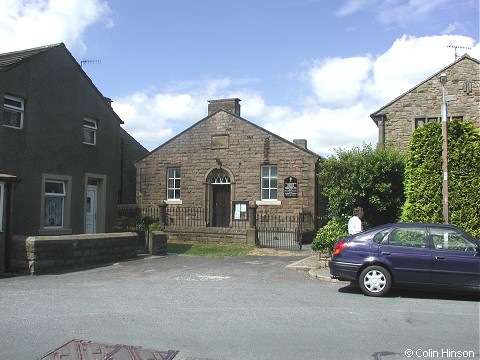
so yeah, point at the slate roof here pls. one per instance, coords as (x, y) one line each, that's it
(12, 58)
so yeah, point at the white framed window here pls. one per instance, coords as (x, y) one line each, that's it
(54, 204)
(90, 131)
(269, 182)
(13, 112)
(2, 204)
(173, 183)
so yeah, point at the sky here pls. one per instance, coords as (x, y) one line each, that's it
(303, 69)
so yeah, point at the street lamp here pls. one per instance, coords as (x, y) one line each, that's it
(443, 80)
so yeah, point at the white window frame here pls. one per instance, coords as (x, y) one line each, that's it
(172, 178)
(90, 126)
(266, 175)
(15, 109)
(62, 195)
(2, 204)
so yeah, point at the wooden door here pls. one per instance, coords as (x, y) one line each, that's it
(221, 205)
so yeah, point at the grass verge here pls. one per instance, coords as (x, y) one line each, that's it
(208, 249)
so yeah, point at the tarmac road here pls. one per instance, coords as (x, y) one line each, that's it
(233, 308)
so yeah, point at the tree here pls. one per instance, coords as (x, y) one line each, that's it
(372, 179)
(424, 176)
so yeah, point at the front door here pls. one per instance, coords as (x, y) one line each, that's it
(91, 210)
(221, 205)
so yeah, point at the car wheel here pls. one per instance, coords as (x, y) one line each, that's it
(375, 281)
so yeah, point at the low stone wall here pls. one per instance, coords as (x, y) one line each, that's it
(57, 254)
(211, 234)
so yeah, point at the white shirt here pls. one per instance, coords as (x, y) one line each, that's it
(354, 225)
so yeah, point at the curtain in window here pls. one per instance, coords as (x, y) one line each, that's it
(53, 213)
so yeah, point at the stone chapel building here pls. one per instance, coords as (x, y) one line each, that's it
(225, 164)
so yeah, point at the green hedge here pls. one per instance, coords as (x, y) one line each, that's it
(366, 177)
(424, 176)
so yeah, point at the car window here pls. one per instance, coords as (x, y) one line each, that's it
(408, 237)
(448, 239)
(378, 238)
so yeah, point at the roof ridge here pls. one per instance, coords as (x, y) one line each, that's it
(13, 57)
(461, 58)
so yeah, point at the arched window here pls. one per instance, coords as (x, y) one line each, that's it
(220, 177)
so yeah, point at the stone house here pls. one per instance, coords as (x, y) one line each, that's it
(398, 119)
(225, 164)
(65, 161)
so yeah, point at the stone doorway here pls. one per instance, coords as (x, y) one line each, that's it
(220, 198)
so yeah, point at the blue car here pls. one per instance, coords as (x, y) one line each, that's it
(429, 255)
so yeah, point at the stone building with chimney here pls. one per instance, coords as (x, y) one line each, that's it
(225, 165)
(398, 119)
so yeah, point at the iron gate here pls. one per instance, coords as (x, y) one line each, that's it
(279, 232)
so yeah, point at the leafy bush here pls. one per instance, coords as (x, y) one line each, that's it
(424, 176)
(372, 179)
(329, 234)
(156, 226)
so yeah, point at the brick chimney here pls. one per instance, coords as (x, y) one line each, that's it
(230, 105)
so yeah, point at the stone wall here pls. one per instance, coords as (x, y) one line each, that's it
(208, 235)
(57, 254)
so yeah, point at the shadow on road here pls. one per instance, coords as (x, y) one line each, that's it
(418, 293)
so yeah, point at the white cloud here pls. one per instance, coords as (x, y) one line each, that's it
(451, 28)
(339, 81)
(404, 12)
(352, 6)
(410, 11)
(338, 94)
(30, 23)
(150, 118)
(327, 129)
(345, 91)
(409, 61)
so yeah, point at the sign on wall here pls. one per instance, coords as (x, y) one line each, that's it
(290, 187)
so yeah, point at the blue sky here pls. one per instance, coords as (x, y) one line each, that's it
(311, 69)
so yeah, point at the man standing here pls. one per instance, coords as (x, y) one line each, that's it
(355, 222)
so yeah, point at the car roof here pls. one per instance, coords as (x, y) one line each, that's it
(416, 224)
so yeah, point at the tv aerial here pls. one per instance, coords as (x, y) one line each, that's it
(458, 47)
(90, 62)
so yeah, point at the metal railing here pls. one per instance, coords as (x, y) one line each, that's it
(280, 232)
(189, 217)
(274, 231)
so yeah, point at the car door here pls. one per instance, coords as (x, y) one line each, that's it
(456, 261)
(408, 254)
